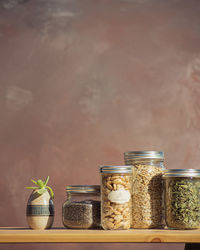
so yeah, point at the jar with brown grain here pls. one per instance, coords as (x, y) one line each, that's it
(148, 168)
(116, 197)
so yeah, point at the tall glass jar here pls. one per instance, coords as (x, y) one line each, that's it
(82, 208)
(182, 198)
(147, 188)
(116, 197)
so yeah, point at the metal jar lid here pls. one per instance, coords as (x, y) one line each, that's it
(116, 169)
(83, 189)
(181, 173)
(135, 155)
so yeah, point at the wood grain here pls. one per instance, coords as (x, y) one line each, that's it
(24, 235)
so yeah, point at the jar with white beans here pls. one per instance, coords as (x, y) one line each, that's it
(116, 197)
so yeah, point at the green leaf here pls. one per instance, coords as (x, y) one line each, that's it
(41, 191)
(51, 191)
(41, 187)
(46, 181)
(34, 182)
(40, 183)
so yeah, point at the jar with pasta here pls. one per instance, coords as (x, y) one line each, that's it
(148, 168)
(116, 197)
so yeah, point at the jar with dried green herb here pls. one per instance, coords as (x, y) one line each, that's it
(148, 208)
(182, 198)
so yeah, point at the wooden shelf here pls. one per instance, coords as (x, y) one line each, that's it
(56, 235)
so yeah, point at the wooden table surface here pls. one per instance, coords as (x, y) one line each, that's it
(56, 235)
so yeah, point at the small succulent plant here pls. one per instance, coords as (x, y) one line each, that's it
(42, 187)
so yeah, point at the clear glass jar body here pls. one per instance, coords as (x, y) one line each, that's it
(82, 211)
(116, 201)
(148, 209)
(182, 202)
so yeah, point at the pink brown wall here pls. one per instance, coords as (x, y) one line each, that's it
(83, 81)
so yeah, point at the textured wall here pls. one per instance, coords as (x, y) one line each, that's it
(83, 81)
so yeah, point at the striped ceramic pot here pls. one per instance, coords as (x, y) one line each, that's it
(40, 210)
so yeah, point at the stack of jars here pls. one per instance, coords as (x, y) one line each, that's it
(136, 195)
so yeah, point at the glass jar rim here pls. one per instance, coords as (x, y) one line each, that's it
(143, 155)
(181, 173)
(83, 189)
(117, 169)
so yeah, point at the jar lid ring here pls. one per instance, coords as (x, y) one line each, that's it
(144, 155)
(83, 188)
(117, 169)
(181, 173)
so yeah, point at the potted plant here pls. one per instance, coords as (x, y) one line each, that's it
(40, 207)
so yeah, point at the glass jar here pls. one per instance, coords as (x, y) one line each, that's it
(116, 197)
(182, 198)
(147, 188)
(82, 208)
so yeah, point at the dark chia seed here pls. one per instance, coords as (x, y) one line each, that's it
(82, 214)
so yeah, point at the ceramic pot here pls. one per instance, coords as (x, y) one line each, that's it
(40, 210)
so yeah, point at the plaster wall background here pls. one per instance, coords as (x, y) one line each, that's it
(83, 81)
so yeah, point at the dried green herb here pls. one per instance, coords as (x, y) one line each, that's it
(182, 199)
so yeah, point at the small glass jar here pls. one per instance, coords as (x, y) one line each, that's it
(182, 198)
(147, 188)
(116, 197)
(82, 208)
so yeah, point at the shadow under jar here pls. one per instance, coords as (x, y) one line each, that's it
(147, 188)
(116, 197)
(82, 208)
(182, 198)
